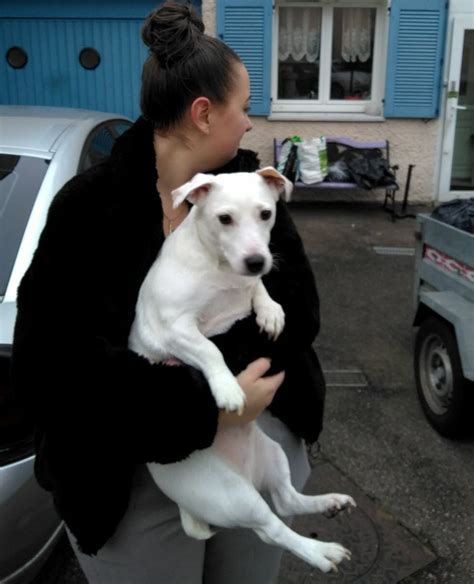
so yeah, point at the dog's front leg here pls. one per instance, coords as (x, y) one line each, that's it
(270, 315)
(186, 342)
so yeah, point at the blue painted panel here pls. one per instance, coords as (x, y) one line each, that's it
(246, 26)
(53, 75)
(53, 34)
(415, 58)
(80, 8)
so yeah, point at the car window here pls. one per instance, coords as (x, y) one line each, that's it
(119, 127)
(100, 142)
(98, 146)
(20, 180)
(16, 427)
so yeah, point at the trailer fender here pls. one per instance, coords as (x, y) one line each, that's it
(460, 313)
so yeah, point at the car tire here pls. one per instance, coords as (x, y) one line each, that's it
(445, 395)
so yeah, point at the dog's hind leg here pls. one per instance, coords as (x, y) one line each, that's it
(277, 481)
(212, 491)
(195, 527)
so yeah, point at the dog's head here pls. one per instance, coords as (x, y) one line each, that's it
(235, 214)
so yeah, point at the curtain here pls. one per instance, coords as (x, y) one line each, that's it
(356, 34)
(299, 34)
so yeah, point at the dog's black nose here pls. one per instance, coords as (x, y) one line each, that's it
(255, 263)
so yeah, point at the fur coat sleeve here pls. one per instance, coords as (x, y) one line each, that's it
(98, 408)
(70, 359)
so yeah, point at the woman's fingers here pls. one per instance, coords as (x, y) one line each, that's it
(259, 391)
(258, 368)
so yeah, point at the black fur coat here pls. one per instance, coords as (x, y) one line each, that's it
(99, 409)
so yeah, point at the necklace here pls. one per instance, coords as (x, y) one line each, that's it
(172, 220)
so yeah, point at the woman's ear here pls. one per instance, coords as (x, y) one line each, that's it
(194, 190)
(199, 113)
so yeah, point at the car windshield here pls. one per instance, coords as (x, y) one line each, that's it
(20, 180)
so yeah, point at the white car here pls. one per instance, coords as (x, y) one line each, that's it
(40, 149)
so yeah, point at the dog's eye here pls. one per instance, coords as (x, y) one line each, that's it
(265, 215)
(225, 219)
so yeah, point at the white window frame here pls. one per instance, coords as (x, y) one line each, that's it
(302, 108)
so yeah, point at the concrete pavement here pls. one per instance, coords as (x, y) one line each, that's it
(414, 488)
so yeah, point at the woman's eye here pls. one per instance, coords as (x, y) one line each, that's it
(225, 219)
(265, 215)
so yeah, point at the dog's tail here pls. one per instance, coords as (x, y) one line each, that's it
(195, 527)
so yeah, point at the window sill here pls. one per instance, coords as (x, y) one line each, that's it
(323, 117)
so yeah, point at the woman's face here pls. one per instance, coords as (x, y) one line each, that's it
(230, 121)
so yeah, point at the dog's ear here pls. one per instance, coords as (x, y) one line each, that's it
(193, 190)
(276, 180)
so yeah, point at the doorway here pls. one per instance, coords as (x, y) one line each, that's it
(457, 164)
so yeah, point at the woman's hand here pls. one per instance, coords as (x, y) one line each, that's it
(258, 390)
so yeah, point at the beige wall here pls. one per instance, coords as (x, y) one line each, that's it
(411, 141)
(209, 15)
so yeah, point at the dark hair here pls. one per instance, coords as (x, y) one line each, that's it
(183, 64)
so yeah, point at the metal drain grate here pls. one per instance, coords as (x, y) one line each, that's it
(383, 551)
(345, 378)
(394, 251)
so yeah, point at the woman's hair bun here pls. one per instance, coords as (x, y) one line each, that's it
(172, 32)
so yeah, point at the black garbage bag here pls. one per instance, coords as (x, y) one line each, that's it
(457, 212)
(368, 168)
(365, 167)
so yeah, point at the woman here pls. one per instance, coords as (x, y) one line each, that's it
(101, 411)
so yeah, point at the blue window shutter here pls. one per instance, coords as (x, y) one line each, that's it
(415, 58)
(246, 26)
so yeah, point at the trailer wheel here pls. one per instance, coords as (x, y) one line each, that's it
(445, 395)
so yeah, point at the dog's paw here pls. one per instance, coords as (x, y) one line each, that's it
(271, 319)
(228, 394)
(328, 555)
(334, 503)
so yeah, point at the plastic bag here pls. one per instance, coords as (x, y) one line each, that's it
(288, 161)
(458, 213)
(338, 172)
(312, 160)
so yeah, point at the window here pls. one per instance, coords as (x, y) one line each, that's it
(17, 57)
(16, 426)
(399, 77)
(100, 142)
(328, 56)
(20, 181)
(89, 58)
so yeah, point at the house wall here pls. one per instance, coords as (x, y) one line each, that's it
(412, 141)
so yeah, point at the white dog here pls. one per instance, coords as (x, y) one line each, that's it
(207, 276)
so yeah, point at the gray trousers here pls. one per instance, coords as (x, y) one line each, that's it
(150, 546)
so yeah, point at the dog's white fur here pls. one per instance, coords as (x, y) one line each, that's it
(207, 276)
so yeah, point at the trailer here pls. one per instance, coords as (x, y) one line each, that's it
(444, 315)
